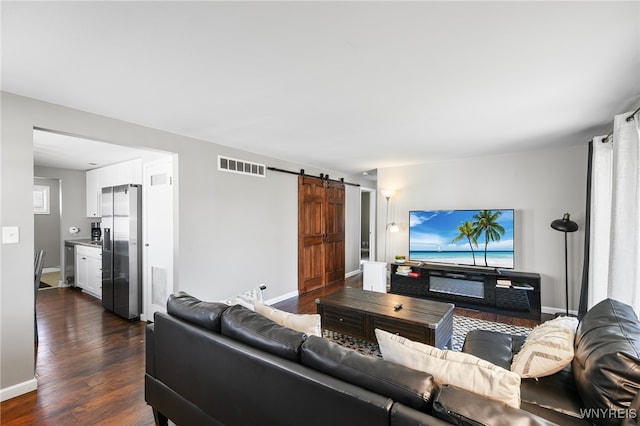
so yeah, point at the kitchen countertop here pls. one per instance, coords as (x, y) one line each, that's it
(85, 242)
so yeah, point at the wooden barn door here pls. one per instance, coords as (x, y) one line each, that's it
(320, 233)
(334, 232)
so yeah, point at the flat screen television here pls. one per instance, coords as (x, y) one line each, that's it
(462, 237)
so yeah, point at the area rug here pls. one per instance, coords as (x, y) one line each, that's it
(461, 326)
(49, 279)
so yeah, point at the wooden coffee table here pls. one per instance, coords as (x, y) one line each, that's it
(358, 313)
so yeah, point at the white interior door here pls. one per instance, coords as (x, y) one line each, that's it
(158, 236)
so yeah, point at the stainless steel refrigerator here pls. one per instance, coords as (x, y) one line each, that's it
(121, 208)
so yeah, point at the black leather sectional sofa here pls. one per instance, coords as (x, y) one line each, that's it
(211, 364)
(599, 387)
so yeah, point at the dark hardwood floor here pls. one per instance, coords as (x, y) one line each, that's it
(90, 362)
(89, 366)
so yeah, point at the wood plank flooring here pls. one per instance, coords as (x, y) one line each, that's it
(90, 362)
(89, 366)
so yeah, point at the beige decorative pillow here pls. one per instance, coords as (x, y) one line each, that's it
(455, 368)
(547, 350)
(305, 323)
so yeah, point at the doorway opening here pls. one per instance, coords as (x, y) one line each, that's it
(367, 224)
(67, 158)
(46, 227)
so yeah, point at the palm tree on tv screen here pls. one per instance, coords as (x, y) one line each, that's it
(487, 221)
(468, 231)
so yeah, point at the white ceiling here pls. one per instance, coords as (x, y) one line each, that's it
(350, 86)
(71, 152)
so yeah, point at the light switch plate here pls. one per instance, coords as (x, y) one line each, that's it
(10, 235)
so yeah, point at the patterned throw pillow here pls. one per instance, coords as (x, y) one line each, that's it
(253, 295)
(547, 350)
(247, 298)
(454, 368)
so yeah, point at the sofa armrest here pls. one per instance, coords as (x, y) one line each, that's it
(633, 412)
(461, 407)
(150, 351)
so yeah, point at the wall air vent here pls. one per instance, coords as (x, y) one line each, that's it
(233, 165)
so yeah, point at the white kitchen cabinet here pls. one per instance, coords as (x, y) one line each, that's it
(89, 269)
(107, 176)
(94, 283)
(93, 193)
(82, 270)
(136, 171)
(116, 174)
(128, 172)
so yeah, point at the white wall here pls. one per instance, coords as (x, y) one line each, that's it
(541, 186)
(234, 232)
(47, 226)
(72, 197)
(352, 230)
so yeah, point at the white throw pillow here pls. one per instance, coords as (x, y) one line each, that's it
(455, 368)
(304, 323)
(547, 349)
(251, 296)
(238, 301)
(246, 299)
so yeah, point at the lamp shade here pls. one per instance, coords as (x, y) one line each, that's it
(387, 193)
(565, 224)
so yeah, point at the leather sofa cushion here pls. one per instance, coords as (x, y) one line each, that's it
(189, 308)
(606, 364)
(493, 346)
(553, 397)
(556, 417)
(461, 407)
(249, 327)
(410, 387)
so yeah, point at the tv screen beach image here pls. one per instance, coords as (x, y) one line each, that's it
(463, 237)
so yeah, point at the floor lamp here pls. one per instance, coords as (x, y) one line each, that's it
(391, 227)
(565, 225)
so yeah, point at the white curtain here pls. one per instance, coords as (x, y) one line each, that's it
(614, 270)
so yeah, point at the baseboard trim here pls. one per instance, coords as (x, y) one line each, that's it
(19, 389)
(352, 273)
(553, 311)
(281, 298)
(50, 269)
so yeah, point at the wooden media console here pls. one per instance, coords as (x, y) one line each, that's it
(500, 291)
